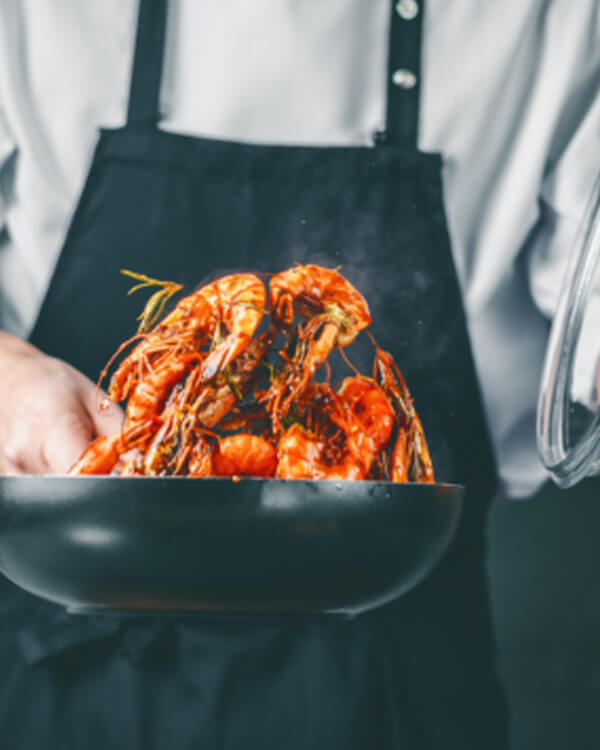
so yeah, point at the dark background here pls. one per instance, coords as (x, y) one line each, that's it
(544, 567)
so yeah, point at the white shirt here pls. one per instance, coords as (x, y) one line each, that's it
(509, 97)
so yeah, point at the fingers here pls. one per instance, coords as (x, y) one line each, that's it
(48, 412)
(73, 431)
(8, 469)
(65, 440)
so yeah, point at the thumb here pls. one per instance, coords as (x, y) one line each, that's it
(106, 420)
(106, 416)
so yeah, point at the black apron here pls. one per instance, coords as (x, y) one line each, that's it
(418, 673)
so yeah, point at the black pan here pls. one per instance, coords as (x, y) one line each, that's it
(217, 545)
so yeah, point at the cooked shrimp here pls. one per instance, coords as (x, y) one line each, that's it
(211, 404)
(313, 290)
(411, 461)
(193, 407)
(303, 455)
(184, 330)
(367, 417)
(102, 454)
(161, 449)
(200, 461)
(236, 302)
(133, 466)
(333, 313)
(150, 392)
(244, 455)
(99, 457)
(194, 378)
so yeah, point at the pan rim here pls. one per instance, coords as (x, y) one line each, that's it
(231, 480)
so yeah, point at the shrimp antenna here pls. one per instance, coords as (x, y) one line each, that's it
(104, 371)
(344, 356)
(372, 338)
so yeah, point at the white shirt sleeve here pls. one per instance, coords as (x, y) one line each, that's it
(7, 149)
(566, 191)
(9, 318)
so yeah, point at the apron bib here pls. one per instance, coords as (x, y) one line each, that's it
(418, 673)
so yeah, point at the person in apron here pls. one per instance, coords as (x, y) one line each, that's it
(416, 674)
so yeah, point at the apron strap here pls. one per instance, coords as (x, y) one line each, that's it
(403, 75)
(144, 93)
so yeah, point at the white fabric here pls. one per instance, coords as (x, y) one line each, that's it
(510, 98)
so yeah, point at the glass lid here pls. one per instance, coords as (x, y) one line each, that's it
(568, 428)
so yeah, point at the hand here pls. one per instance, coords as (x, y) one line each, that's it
(48, 411)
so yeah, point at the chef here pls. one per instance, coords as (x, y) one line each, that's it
(440, 153)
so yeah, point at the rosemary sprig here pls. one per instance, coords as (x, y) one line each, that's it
(154, 307)
(231, 383)
(271, 370)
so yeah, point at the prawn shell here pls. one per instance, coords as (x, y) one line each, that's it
(244, 455)
(99, 457)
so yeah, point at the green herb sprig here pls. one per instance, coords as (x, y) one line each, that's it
(154, 307)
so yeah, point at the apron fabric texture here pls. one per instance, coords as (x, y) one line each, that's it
(416, 674)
